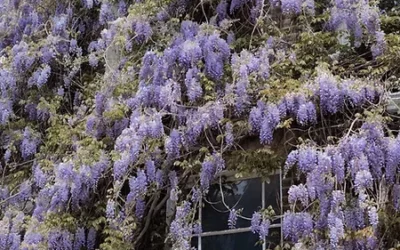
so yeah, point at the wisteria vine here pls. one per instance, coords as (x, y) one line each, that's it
(116, 117)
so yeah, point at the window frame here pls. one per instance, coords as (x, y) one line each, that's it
(230, 177)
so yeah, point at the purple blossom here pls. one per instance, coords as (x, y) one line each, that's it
(193, 86)
(297, 225)
(140, 208)
(196, 195)
(256, 116)
(291, 6)
(121, 166)
(80, 238)
(331, 97)
(336, 229)
(106, 13)
(91, 239)
(373, 217)
(172, 144)
(59, 240)
(189, 29)
(190, 53)
(110, 210)
(221, 10)
(379, 46)
(298, 193)
(197, 229)
(143, 31)
(236, 4)
(229, 138)
(29, 143)
(39, 177)
(150, 170)
(138, 186)
(255, 222)
(100, 103)
(338, 198)
(306, 113)
(270, 121)
(232, 218)
(88, 4)
(264, 229)
(33, 238)
(291, 159)
(307, 159)
(396, 196)
(363, 180)
(216, 51)
(93, 60)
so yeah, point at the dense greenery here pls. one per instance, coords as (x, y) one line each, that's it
(116, 116)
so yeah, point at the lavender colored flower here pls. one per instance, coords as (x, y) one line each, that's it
(270, 121)
(363, 180)
(264, 229)
(59, 240)
(379, 46)
(172, 144)
(222, 10)
(331, 97)
(138, 186)
(207, 174)
(140, 208)
(121, 166)
(93, 60)
(196, 195)
(106, 13)
(190, 53)
(396, 196)
(291, 6)
(298, 193)
(80, 238)
(336, 229)
(373, 217)
(91, 239)
(297, 225)
(255, 222)
(189, 29)
(193, 86)
(197, 229)
(229, 139)
(150, 170)
(110, 209)
(306, 113)
(291, 159)
(33, 238)
(232, 218)
(39, 177)
(143, 31)
(29, 143)
(307, 159)
(236, 4)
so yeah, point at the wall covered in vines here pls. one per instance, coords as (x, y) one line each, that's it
(117, 116)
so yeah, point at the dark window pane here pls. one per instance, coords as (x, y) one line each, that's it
(238, 241)
(272, 195)
(274, 238)
(244, 195)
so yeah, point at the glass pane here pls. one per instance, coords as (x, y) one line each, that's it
(238, 241)
(274, 238)
(244, 195)
(272, 195)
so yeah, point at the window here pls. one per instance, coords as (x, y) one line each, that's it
(249, 194)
